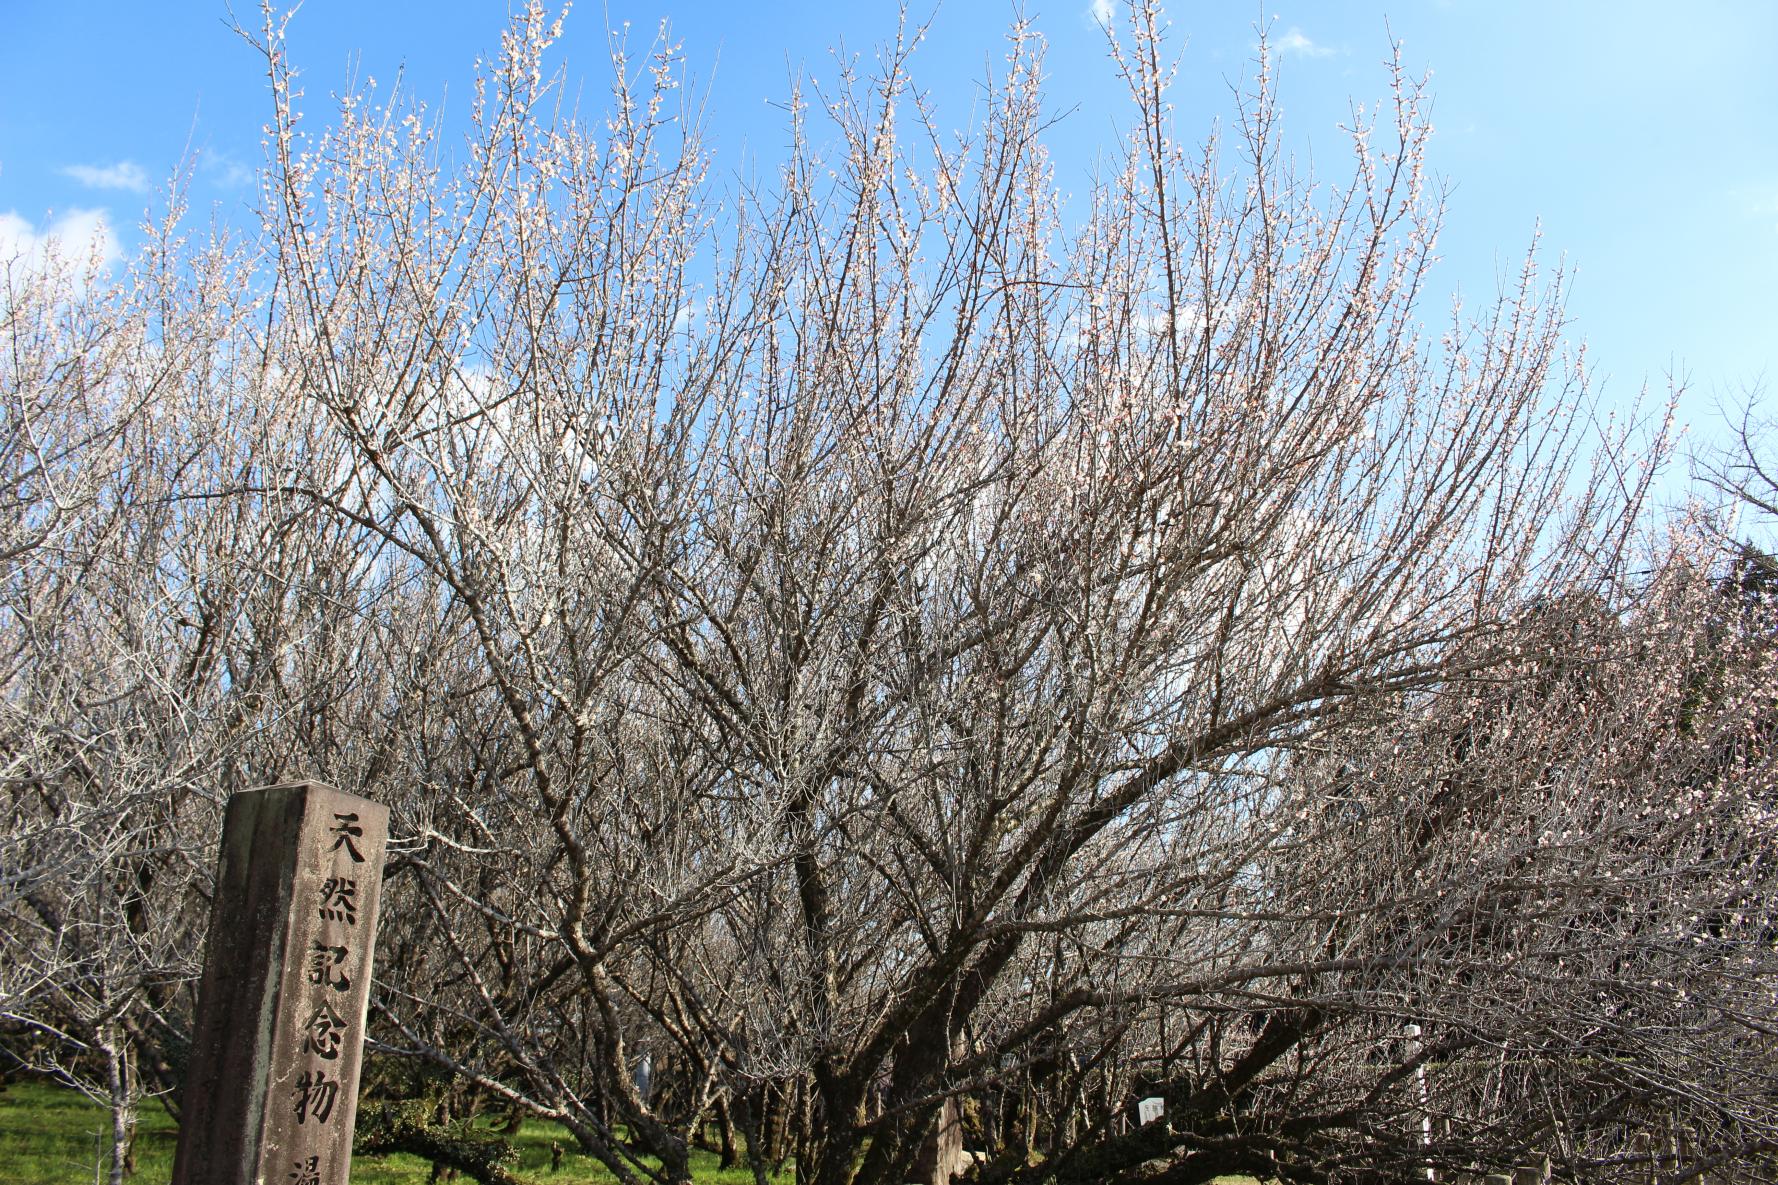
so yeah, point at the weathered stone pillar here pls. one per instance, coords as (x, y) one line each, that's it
(941, 1154)
(271, 1091)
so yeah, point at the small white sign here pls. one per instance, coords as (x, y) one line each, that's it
(1149, 1110)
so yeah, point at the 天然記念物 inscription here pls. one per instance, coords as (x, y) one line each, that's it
(272, 1089)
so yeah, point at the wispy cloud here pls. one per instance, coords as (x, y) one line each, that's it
(78, 236)
(219, 168)
(122, 175)
(1297, 42)
(1102, 12)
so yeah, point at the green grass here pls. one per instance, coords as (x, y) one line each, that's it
(52, 1136)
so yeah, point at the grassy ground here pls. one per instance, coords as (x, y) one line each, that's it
(50, 1136)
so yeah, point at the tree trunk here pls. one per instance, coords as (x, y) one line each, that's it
(746, 1115)
(725, 1128)
(120, 1085)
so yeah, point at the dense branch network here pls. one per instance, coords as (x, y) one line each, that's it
(870, 650)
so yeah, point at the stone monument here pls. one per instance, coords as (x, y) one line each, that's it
(271, 1091)
(941, 1154)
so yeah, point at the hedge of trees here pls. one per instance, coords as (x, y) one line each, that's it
(879, 647)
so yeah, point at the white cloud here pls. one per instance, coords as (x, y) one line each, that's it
(1295, 41)
(1102, 11)
(77, 237)
(224, 170)
(1188, 319)
(122, 175)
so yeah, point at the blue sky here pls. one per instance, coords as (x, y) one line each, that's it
(1643, 137)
